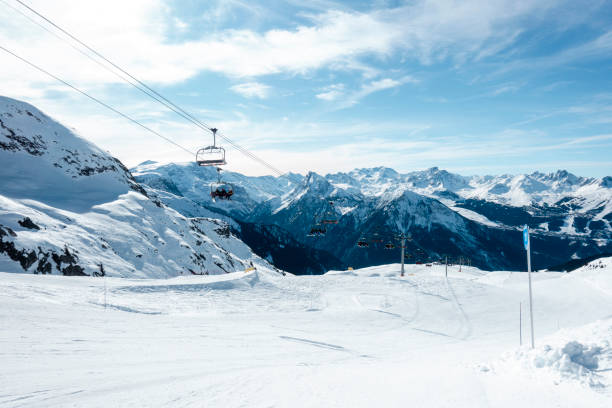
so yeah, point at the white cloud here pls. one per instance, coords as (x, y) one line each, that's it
(331, 93)
(180, 25)
(374, 86)
(379, 85)
(137, 38)
(252, 90)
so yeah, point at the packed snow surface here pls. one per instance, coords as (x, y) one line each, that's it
(357, 338)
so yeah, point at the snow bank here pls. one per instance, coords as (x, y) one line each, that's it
(572, 360)
(581, 354)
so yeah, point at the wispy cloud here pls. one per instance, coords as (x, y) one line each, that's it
(331, 93)
(553, 86)
(371, 87)
(252, 90)
(597, 48)
(589, 139)
(505, 89)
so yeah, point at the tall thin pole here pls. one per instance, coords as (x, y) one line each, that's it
(530, 295)
(104, 292)
(402, 255)
(446, 266)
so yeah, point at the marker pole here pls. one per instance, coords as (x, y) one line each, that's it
(403, 246)
(527, 244)
(530, 294)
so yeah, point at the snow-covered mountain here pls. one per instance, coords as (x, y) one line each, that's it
(476, 217)
(68, 207)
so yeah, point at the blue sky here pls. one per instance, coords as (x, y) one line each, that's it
(475, 87)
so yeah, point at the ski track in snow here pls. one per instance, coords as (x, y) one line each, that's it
(364, 338)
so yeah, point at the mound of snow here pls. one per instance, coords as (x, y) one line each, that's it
(581, 354)
(573, 360)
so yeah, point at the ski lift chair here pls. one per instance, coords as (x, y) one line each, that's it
(211, 156)
(389, 245)
(223, 191)
(362, 243)
(317, 231)
(329, 218)
(330, 221)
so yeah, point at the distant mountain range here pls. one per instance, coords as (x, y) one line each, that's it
(477, 218)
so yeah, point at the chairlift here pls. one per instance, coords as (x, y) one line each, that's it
(329, 218)
(317, 232)
(211, 155)
(223, 191)
(362, 243)
(329, 221)
(220, 189)
(389, 245)
(317, 229)
(376, 236)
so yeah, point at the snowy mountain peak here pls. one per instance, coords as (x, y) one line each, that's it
(561, 179)
(316, 183)
(67, 207)
(147, 162)
(435, 179)
(35, 147)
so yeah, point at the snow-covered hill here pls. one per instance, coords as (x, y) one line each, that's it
(446, 214)
(349, 338)
(68, 207)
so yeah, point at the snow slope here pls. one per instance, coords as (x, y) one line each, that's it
(357, 338)
(68, 207)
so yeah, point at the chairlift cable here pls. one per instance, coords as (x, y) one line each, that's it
(89, 56)
(95, 99)
(143, 87)
(167, 103)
